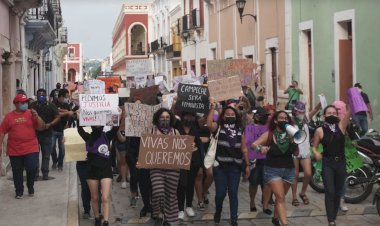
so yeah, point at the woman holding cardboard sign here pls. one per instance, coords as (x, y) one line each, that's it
(228, 159)
(164, 182)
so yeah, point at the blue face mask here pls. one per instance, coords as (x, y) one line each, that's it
(24, 107)
(41, 99)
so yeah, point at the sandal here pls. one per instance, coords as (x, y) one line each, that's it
(295, 202)
(304, 198)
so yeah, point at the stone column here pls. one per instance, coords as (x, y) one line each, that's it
(9, 82)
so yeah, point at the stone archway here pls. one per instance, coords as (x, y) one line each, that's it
(71, 75)
(137, 40)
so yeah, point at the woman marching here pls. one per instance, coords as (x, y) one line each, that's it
(332, 137)
(164, 182)
(278, 147)
(98, 168)
(228, 159)
(303, 158)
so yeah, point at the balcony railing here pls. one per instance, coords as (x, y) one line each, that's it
(63, 35)
(154, 46)
(173, 51)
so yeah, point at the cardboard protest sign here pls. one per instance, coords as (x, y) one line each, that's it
(167, 100)
(146, 95)
(165, 152)
(139, 118)
(99, 109)
(356, 101)
(94, 86)
(184, 79)
(75, 148)
(244, 68)
(193, 98)
(225, 88)
(110, 82)
(139, 69)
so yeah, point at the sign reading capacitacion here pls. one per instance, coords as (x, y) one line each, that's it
(98, 110)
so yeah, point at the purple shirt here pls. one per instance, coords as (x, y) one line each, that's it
(252, 133)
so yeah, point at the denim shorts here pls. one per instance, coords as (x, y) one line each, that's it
(271, 174)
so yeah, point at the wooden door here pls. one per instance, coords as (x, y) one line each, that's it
(345, 68)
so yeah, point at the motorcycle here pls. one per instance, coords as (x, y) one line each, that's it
(359, 183)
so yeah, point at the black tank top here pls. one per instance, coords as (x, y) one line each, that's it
(333, 142)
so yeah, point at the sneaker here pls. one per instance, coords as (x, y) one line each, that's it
(343, 208)
(45, 177)
(19, 197)
(31, 192)
(86, 216)
(205, 199)
(123, 185)
(201, 206)
(234, 223)
(190, 212)
(133, 202)
(181, 215)
(217, 217)
(54, 166)
(105, 223)
(98, 222)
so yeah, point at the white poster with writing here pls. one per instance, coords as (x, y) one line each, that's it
(139, 118)
(94, 86)
(99, 110)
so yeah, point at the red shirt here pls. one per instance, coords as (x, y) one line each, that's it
(22, 139)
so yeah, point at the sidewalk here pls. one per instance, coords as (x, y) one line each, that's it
(54, 202)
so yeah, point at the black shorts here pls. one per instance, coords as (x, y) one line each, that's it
(99, 169)
(257, 173)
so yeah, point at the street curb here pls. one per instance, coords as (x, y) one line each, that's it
(72, 202)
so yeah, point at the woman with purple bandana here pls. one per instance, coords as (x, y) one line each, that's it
(252, 132)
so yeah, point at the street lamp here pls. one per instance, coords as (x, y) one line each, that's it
(240, 4)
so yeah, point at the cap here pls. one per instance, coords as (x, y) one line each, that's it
(358, 85)
(20, 98)
(261, 111)
(299, 106)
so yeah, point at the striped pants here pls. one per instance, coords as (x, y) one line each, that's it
(164, 193)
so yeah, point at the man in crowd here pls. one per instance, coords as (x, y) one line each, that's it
(50, 115)
(65, 113)
(54, 93)
(294, 95)
(360, 117)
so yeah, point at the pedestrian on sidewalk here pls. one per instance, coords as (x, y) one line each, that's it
(164, 182)
(332, 137)
(278, 147)
(62, 103)
(99, 168)
(49, 113)
(231, 149)
(22, 146)
(185, 191)
(302, 119)
(252, 132)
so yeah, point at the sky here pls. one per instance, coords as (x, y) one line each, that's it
(91, 22)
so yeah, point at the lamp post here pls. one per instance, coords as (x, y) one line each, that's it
(240, 4)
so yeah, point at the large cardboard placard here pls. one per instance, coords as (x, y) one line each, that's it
(225, 88)
(147, 95)
(193, 98)
(139, 118)
(75, 148)
(139, 70)
(110, 81)
(99, 109)
(165, 152)
(244, 68)
(94, 86)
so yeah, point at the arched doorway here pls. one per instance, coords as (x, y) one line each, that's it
(137, 44)
(71, 75)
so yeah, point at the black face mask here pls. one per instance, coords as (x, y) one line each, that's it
(230, 120)
(164, 124)
(331, 119)
(282, 124)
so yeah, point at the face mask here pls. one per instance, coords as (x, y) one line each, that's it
(331, 119)
(300, 117)
(24, 106)
(282, 124)
(164, 123)
(230, 120)
(41, 99)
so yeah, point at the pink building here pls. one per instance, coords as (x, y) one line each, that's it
(73, 63)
